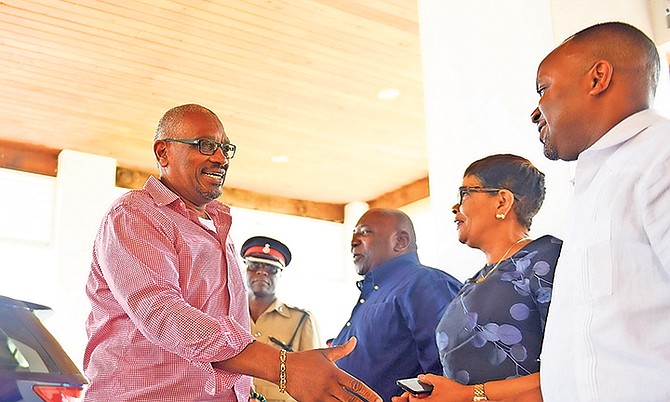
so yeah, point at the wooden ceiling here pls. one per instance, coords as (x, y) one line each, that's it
(297, 78)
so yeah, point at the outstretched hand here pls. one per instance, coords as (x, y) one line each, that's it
(444, 390)
(521, 389)
(312, 376)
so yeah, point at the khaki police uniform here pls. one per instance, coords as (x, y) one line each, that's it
(280, 322)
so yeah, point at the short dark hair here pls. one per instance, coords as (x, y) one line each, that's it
(517, 175)
(625, 46)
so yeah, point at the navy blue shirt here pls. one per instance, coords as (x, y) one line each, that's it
(394, 320)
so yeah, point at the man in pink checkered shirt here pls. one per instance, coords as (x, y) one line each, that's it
(169, 317)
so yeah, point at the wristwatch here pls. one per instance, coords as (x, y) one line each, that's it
(480, 395)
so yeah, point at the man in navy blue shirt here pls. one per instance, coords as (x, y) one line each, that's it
(400, 304)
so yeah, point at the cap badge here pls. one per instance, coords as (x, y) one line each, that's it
(266, 249)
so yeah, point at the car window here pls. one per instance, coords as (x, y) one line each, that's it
(16, 355)
(11, 357)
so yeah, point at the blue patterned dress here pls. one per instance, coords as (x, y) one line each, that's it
(493, 330)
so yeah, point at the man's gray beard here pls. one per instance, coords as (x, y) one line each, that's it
(211, 195)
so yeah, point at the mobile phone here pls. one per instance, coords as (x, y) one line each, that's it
(414, 386)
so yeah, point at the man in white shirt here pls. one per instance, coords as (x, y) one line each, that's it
(608, 330)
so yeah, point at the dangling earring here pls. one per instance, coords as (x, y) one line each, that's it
(500, 216)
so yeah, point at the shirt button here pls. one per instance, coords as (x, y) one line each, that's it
(376, 287)
(361, 301)
(348, 324)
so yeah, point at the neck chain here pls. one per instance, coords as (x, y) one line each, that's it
(483, 278)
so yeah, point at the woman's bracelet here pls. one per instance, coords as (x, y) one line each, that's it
(257, 396)
(282, 371)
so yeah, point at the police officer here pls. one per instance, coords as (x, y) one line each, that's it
(272, 321)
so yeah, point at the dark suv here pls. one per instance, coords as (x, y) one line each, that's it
(33, 365)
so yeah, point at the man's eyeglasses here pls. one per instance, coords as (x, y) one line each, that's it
(257, 266)
(463, 191)
(208, 147)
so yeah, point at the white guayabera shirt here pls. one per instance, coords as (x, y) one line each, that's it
(608, 329)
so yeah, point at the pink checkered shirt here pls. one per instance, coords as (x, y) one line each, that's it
(167, 298)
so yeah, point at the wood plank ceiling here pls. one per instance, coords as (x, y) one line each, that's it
(296, 78)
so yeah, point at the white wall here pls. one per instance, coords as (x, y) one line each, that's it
(479, 64)
(26, 228)
(479, 93)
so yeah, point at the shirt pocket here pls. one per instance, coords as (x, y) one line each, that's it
(381, 326)
(598, 264)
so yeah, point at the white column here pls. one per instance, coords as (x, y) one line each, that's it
(85, 187)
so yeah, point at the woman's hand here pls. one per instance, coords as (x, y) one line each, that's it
(520, 389)
(444, 390)
(402, 398)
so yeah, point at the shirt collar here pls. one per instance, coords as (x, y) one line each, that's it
(164, 196)
(626, 129)
(159, 192)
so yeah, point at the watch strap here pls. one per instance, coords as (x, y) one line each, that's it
(480, 395)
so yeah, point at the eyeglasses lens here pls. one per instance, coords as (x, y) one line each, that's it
(461, 193)
(269, 269)
(208, 147)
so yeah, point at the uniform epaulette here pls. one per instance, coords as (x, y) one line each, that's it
(298, 308)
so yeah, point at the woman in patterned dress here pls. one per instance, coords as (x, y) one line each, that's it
(490, 336)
